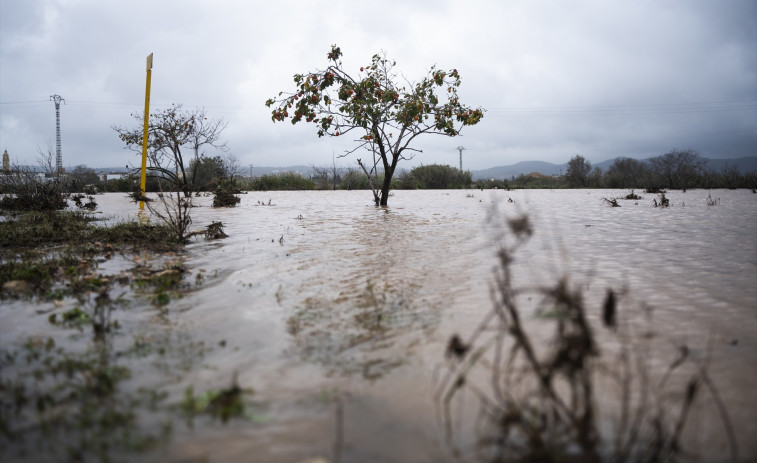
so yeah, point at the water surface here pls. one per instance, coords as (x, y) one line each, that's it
(337, 313)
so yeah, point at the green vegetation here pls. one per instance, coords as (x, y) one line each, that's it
(385, 115)
(223, 404)
(225, 196)
(283, 181)
(35, 229)
(65, 406)
(68, 397)
(433, 177)
(354, 180)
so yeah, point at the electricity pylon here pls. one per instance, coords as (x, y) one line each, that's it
(460, 148)
(58, 155)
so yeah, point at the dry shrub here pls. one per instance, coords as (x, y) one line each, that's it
(566, 399)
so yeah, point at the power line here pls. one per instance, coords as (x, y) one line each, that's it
(515, 111)
(24, 102)
(622, 110)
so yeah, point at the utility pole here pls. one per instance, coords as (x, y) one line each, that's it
(143, 177)
(58, 155)
(460, 148)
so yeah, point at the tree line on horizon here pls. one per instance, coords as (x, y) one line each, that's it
(677, 169)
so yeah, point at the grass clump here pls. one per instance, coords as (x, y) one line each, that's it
(56, 253)
(223, 404)
(44, 229)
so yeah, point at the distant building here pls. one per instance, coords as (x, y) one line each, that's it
(6, 162)
(105, 176)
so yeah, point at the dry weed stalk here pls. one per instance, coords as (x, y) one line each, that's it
(541, 403)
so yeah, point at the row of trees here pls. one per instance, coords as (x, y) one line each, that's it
(674, 170)
(677, 169)
(423, 177)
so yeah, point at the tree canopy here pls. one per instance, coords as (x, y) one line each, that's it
(578, 172)
(170, 131)
(384, 115)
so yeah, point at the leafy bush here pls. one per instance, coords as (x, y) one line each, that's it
(354, 180)
(435, 176)
(285, 181)
(225, 197)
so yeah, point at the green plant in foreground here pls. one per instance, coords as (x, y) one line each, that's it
(223, 404)
(70, 406)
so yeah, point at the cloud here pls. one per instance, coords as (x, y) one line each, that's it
(598, 78)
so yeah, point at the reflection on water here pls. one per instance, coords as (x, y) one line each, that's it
(337, 313)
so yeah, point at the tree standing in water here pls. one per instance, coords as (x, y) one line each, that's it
(384, 116)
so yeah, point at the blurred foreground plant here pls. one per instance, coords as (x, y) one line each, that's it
(549, 401)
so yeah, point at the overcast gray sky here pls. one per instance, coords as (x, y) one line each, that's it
(558, 78)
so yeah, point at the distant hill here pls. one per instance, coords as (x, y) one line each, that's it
(744, 165)
(521, 168)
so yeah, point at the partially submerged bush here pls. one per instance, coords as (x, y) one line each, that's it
(214, 231)
(712, 202)
(664, 202)
(226, 197)
(90, 205)
(27, 191)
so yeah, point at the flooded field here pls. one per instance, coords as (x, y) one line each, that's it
(333, 316)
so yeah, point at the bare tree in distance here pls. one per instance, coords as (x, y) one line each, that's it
(231, 166)
(627, 173)
(677, 169)
(170, 131)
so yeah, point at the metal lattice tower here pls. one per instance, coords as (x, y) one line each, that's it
(460, 148)
(58, 155)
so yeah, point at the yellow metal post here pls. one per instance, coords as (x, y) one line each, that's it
(143, 180)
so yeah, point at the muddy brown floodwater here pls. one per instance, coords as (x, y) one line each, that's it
(337, 313)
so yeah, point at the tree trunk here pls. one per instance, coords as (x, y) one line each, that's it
(388, 174)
